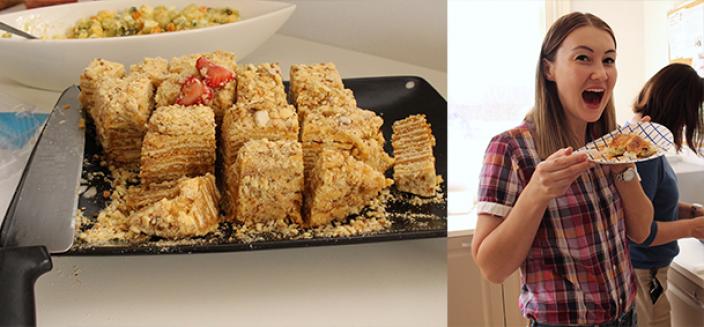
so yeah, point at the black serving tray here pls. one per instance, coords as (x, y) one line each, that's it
(393, 98)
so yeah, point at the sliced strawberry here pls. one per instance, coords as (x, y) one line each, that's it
(215, 76)
(194, 92)
(202, 62)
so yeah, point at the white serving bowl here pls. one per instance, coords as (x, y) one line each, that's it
(56, 64)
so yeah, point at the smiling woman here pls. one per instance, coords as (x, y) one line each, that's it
(560, 219)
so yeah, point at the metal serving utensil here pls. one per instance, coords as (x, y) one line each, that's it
(10, 29)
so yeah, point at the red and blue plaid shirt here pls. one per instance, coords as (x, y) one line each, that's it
(578, 270)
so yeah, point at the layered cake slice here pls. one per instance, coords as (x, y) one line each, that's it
(121, 110)
(243, 122)
(156, 69)
(200, 79)
(260, 84)
(189, 209)
(97, 70)
(354, 131)
(414, 169)
(340, 185)
(317, 85)
(180, 141)
(266, 182)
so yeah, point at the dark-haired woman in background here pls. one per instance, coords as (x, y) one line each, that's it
(673, 98)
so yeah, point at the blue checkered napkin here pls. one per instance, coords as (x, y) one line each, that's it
(659, 135)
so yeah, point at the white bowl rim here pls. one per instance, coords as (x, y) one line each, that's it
(287, 6)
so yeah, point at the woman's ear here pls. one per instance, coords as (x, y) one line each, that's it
(548, 70)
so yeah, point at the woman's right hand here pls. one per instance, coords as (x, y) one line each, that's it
(555, 174)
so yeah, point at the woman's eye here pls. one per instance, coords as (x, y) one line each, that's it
(609, 61)
(582, 58)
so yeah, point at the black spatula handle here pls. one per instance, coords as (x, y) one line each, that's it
(19, 269)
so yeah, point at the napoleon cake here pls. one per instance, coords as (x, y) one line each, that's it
(414, 169)
(339, 186)
(186, 65)
(140, 196)
(189, 209)
(156, 69)
(180, 141)
(244, 122)
(120, 112)
(266, 181)
(314, 86)
(200, 79)
(97, 70)
(354, 131)
(260, 84)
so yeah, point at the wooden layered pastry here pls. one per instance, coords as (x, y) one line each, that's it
(120, 111)
(338, 186)
(180, 141)
(414, 169)
(355, 131)
(97, 70)
(266, 181)
(188, 209)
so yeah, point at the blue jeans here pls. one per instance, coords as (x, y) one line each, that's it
(628, 319)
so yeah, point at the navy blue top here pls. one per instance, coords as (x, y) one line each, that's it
(660, 185)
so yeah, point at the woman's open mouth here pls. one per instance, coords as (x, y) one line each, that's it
(592, 97)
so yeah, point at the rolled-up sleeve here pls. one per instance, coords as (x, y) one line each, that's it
(499, 182)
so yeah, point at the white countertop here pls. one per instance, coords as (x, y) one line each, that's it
(399, 283)
(690, 261)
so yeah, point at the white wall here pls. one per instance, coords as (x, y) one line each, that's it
(641, 35)
(412, 31)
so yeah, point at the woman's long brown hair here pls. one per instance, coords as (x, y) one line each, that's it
(673, 98)
(552, 131)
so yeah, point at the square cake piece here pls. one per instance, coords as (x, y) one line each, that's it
(339, 186)
(317, 85)
(186, 65)
(180, 141)
(168, 92)
(256, 121)
(352, 130)
(266, 182)
(121, 110)
(189, 209)
(260, 83)
(180, 69)
(156, 69)
(413, 142)
(96, 70)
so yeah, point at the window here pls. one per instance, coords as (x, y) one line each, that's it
(493, 50)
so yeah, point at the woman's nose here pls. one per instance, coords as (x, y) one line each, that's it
(599, 73)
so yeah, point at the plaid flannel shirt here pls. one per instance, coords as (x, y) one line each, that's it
(578, 269)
